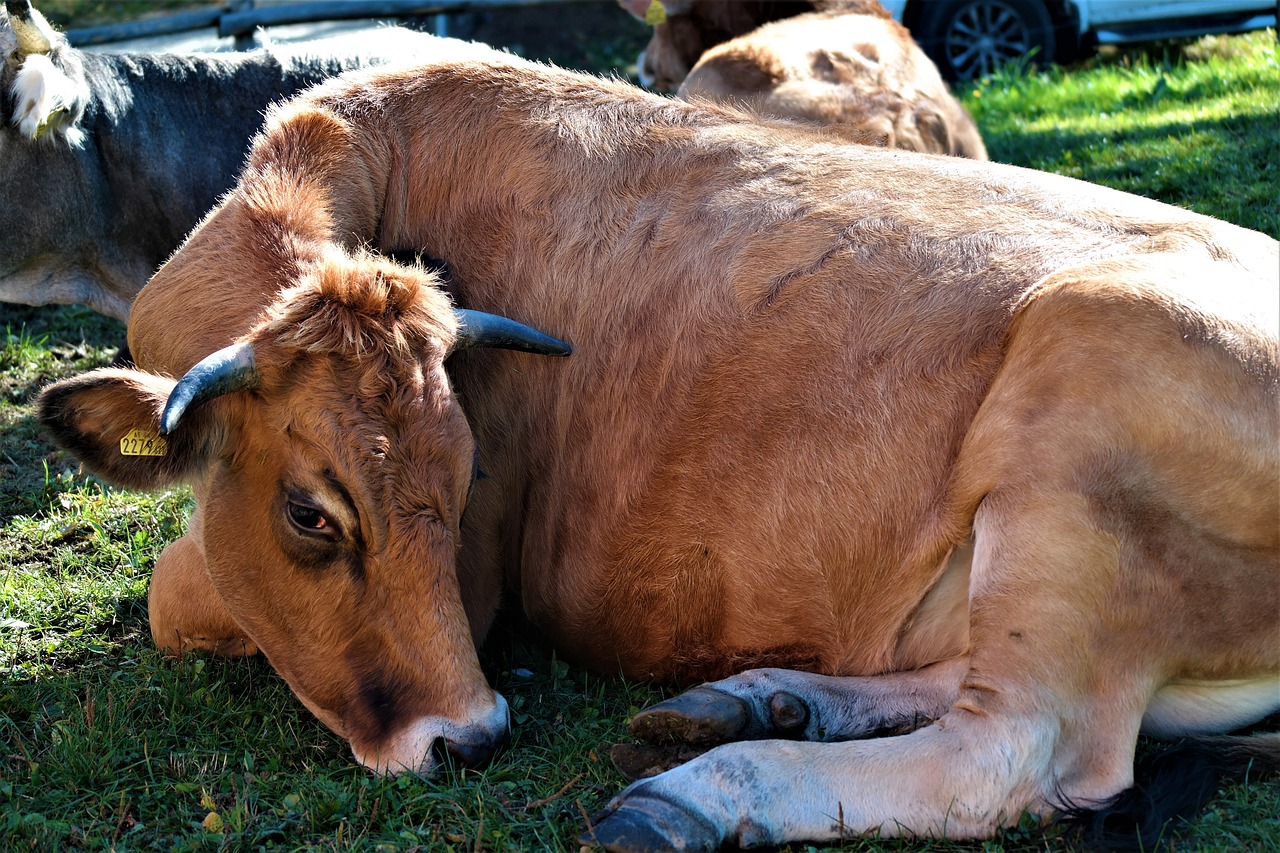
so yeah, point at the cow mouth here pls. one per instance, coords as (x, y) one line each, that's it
(469, 754)
(429, 743)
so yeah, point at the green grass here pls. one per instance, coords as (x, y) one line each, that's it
(1198, 127)
(104, 744)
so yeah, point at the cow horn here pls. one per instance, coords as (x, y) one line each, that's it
(229, 369)
(478, 329)
(31, 37)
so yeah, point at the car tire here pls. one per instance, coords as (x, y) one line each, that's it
(970, 38)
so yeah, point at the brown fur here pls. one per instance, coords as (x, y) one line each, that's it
(803, 374)
(859, 72)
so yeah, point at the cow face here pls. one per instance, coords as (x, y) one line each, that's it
(332, 464)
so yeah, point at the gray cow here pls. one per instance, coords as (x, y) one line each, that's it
(108, 160)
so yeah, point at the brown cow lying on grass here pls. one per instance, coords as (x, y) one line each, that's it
(850, 66)
(804, 376)
(858, 71)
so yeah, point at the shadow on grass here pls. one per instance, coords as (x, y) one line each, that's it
(131, 749)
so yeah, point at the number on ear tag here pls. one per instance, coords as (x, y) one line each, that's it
(139, 442)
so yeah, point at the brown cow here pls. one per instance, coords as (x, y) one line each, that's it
(805, 375)
(859, 71)
(685, 29)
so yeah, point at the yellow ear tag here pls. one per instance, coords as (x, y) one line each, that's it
(655, 14)
(142, 443)
(47, 122)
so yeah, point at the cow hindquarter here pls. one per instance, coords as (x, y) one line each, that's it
(1121, 473)
(1124, 468)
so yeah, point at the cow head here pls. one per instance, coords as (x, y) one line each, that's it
(332, 463)
(685, 29)
(42, 82)
(675, 46)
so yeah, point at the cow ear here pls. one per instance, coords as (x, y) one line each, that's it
(637, 8)
(110, 420)
(31, 32)
(49, 90)
(655, 11)
(49, 100)
(935, 137)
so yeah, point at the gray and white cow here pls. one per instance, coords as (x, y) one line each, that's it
(108, 160)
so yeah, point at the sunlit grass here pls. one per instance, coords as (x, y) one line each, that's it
(1196, 127)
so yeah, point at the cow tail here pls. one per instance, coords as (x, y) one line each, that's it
(1170, 785)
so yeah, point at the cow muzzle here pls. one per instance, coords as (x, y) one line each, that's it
(428, 742)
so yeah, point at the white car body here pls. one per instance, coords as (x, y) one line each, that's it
(969, 38)
(1097, 16)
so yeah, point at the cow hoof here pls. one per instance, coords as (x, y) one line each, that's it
(641, 824)
(701, 716)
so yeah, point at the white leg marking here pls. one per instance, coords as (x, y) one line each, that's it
(842, 708)
(961, 778)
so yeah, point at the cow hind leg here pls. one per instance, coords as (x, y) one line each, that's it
(185, 611)
(1047, 714)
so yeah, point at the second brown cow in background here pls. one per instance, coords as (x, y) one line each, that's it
(841, 64)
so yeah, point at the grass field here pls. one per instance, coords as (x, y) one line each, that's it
(104, 744)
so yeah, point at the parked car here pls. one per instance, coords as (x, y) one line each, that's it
(969, 38)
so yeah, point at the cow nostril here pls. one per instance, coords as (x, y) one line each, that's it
(472, 753)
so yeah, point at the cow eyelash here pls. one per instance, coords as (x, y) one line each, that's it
(310, 520)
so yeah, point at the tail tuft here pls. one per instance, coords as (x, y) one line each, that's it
(1172, 785)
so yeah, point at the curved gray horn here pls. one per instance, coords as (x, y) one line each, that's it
(27, 28)
(478, 329)
(229, 369)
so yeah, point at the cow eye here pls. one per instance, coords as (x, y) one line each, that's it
(308, 519)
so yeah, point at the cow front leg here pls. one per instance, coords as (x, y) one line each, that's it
(781, 703)
(960, 778)
(185, 611)
(1034, 722)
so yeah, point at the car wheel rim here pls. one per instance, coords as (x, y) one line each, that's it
(982, 36)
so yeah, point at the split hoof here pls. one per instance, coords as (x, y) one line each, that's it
(702, 716)
(646, 824)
